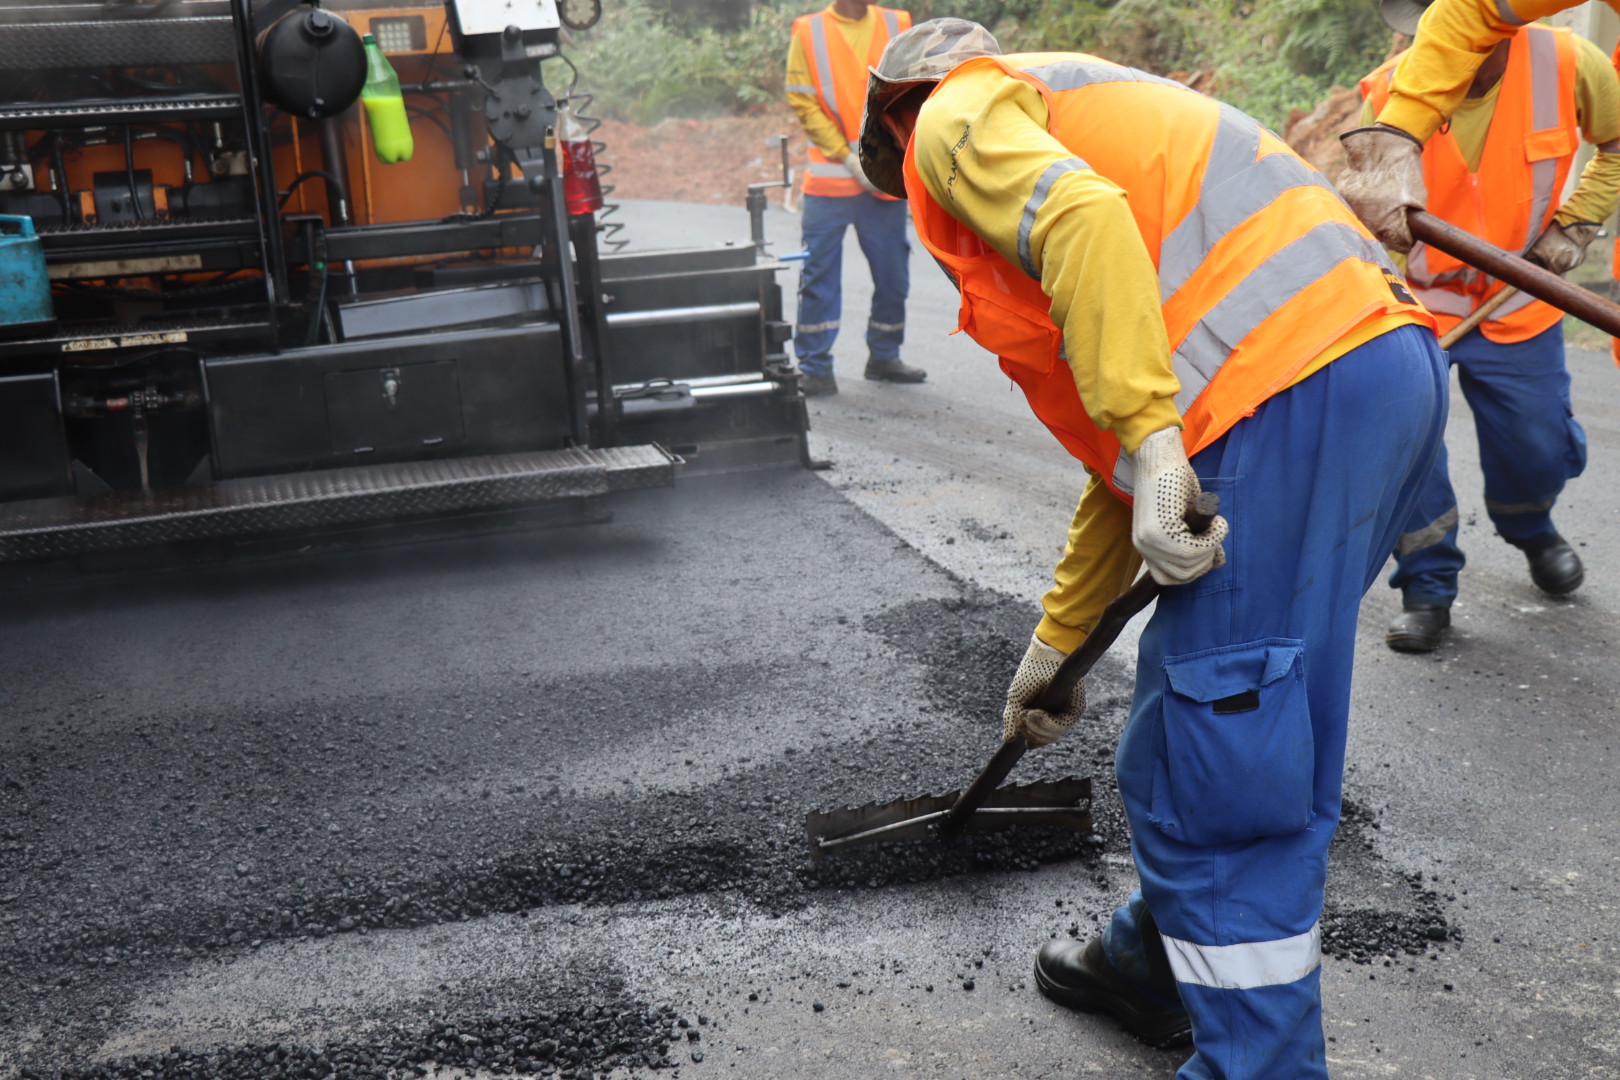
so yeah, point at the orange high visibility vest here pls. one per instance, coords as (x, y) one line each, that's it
(1511, 199)
(838, 78)
(1261, 266)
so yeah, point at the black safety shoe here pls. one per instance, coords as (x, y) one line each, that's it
(1555, 568)
(817, 385)
(1080, 977)
(1418, 628)
(893, 371)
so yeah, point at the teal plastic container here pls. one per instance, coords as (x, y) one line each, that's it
(25, 291)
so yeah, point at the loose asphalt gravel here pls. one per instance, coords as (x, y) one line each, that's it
(203, 826)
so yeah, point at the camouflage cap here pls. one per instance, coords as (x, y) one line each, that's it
(1402, 16)
(924, 54)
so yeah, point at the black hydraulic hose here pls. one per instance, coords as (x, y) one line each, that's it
(129, 172)
(307, 175)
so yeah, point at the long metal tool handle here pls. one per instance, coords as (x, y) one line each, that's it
(1524, 275)
(1477, 316)
(1121, 610)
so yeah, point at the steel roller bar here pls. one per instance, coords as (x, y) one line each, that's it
(1524, 275)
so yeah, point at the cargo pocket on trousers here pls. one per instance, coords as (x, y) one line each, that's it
(1240, 756)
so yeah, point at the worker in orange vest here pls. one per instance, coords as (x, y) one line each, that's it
(1187, 305)
(826, 85)
(1498, 171)
(1384, 174)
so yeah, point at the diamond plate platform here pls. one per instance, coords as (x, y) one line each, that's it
(315, 501)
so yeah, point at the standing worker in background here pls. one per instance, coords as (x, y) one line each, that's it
(826, 85)
(1187, 305)
(1498, 172)
(1383, 177)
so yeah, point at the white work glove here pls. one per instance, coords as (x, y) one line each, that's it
(1035, 671)
(1165, 487)
(852, 162)
(1382, 178)
(1561, 248)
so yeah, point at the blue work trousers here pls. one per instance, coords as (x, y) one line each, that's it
(1231, 763)
(1530, 444)
(880, 226)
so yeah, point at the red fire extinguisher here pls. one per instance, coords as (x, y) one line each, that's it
(582, 188)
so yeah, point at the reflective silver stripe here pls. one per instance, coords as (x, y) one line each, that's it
(1248, 184)
(1037, 199)
(798, 88)
(1428, 536)
(829, 169)
(1124, 473)
(1247, 966)
(1544, 113)
(889, 326)
(1283, 276)
(815, 328)
(891, 19)
(1544, 103)
(829, 89)
(1074, 74)
(1447, 302)
(1507, 15)
(1417, 264)
(1518, 303)
(1520, 508)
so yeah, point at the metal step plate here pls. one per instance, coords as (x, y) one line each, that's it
(315, 501)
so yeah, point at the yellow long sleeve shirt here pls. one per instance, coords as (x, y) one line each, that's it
(1453, 40)
(801, 91)
(981, 145)
(1597, 112)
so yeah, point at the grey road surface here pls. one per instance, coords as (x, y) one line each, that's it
(534, 803)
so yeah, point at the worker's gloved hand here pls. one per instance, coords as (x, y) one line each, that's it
(1165, 487)
(852, 162)
(1035, 670)
(1382, 178)
(1561, 248)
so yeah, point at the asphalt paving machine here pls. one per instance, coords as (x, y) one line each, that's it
(250, 292)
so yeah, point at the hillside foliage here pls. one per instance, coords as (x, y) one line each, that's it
(1267, 57)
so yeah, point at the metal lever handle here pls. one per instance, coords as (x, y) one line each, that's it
(1523, 274)
(1074, 667)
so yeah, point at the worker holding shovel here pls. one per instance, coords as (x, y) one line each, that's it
(1188, 307)
(1498, 171)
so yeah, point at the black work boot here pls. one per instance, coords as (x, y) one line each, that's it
(817, 385)
(1554, 566)
(893, 371)
(1418, 628)
(1080, 977)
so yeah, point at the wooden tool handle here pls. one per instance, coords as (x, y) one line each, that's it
(1477, 316)
(1522, 274)
(1073, 668)
(1121, 610)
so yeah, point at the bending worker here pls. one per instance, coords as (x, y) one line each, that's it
(1498, 172)
(826, 85)
(1186, 305)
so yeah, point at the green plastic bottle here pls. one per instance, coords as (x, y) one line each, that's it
(385, 108)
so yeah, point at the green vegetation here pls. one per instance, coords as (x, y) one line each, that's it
(1265, 56)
